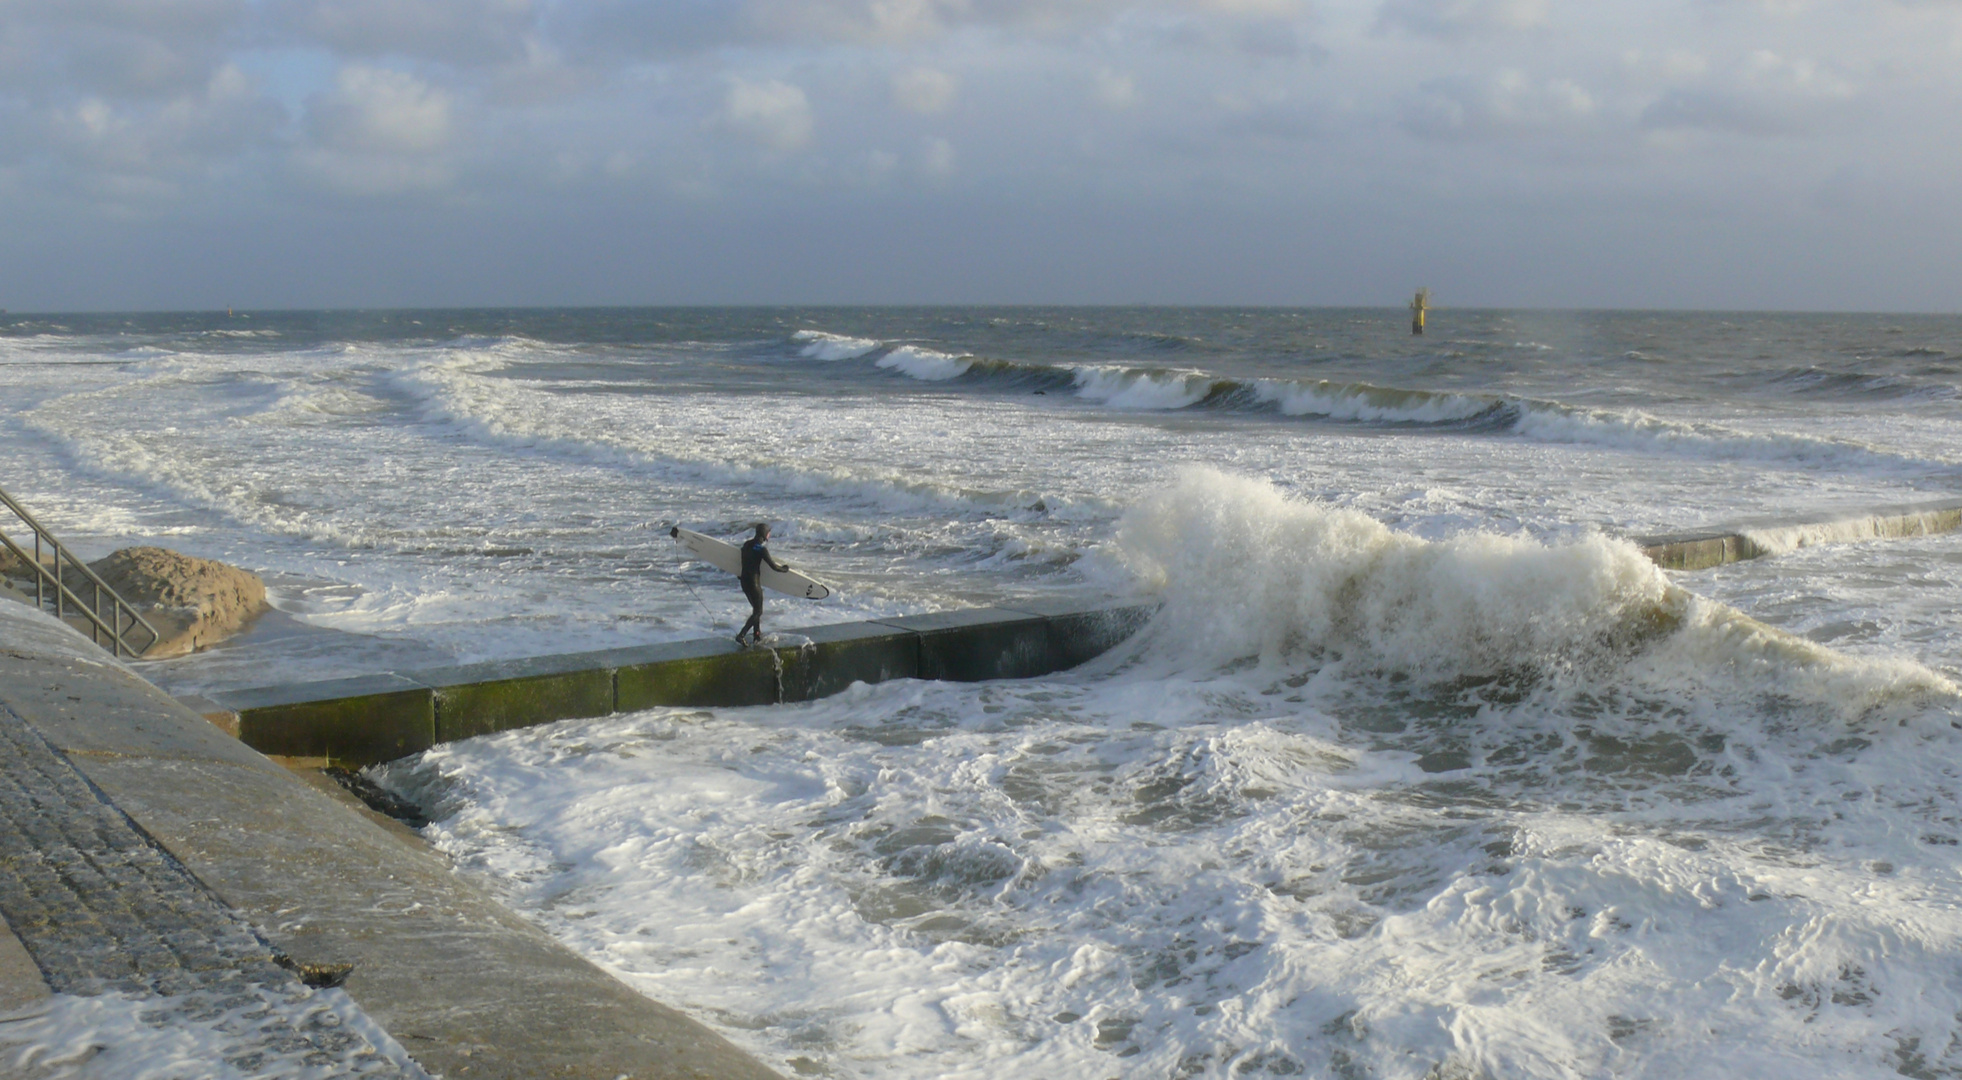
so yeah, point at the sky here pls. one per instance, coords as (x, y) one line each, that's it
(1706, 154)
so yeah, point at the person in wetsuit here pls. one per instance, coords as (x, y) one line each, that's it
(754, 556)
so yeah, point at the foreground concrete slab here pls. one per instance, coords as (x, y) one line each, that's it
(467, 987)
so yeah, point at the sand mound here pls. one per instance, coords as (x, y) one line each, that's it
(193, 602)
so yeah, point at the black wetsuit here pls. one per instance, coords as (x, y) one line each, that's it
(755, 555)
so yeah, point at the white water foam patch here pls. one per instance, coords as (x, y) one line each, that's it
(1247, 571)
(120, 1037)
(1126, 388)
(462, 388)
(822, 346)
(210, 439)
(1643, 433)
(1157, 877)
(927, 365)
(1374, 404)
(1779, 540)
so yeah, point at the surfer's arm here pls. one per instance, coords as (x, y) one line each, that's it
(774, 564)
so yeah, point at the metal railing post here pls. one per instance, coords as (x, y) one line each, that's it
(64, 597)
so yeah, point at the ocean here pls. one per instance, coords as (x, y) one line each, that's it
(1422, 770)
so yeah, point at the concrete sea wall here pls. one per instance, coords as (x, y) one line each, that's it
(380, 717)
(1703, 549)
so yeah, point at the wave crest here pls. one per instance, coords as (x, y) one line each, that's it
(1245, 571)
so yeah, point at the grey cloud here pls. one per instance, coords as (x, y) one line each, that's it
(634, 28)
(615, 28)
(1265, 36)
(1453, 20)
(453, 31)
(1278, 123)
(379, 132)
(119, 48)
(1764, 95)
(159, 141)
(129, 65)
(1509, 103)
(381, 111)
(143, 16)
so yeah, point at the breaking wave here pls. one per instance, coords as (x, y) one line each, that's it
(1171, 389)
(1246, 571)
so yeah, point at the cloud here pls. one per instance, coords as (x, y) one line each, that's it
(1765, 95)
(1508, 103)
(455, 31)
(116, 48)
(775, 115)
(381, 111)
(136, 16)
(1114, 89)
(937, 158)
(379, 132)
(923, 90)
(160, 144)
(1453, 20)
(680, 27)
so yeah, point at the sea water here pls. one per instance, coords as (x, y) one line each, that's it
(1421, 770)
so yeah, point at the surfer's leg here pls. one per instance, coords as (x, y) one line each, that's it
(755, 623)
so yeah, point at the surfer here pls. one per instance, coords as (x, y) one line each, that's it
(754, 556)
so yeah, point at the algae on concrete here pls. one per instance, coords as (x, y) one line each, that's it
(358, 721)
(479, 699)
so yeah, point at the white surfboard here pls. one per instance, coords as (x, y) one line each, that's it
(730, 557)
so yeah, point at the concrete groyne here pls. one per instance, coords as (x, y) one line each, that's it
(380, 717)
(1702, 549)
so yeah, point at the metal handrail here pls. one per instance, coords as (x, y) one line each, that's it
(44, 576)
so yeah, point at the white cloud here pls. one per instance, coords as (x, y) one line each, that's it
(382, 111)
(923, 90)
(174, 138)
(775, 115)
(380, 132)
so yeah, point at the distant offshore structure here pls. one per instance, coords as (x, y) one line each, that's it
(1418, 306)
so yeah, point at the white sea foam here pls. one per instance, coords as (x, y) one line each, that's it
(1778, 540)
(822, 346)
(1375, 404)
(1124, 388)
(1315, 865)
(1247, 571)
(927, 365)
(1642, 432)
(464, 389)
(121, 1037)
